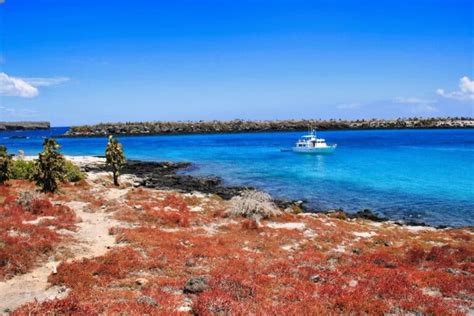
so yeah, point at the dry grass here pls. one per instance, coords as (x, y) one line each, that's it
(253, 204)
(29, 226)
(287, 265)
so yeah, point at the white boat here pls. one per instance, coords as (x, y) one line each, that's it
(310, 144)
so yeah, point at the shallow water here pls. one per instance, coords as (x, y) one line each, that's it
(421, 175)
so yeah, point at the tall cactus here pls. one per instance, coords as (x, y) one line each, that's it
(5, 165)
(115, 157)
(50, 167)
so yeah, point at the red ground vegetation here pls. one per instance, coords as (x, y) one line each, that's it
(28, 232)
(292, 265)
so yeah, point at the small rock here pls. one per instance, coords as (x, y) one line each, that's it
(141, 281)
(196, 285)
(332, 261)
(147, 300)
(383, 242)
(54, 269)
(353, 283)
(390, 265)
(451, 270)
(315, 278)
(356, 251)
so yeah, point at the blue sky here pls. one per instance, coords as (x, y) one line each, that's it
(74, 62)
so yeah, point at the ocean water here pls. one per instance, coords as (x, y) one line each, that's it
(419, 175)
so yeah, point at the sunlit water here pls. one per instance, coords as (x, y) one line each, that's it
(422, 175)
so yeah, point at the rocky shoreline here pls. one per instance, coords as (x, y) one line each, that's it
(166, 175)
(241, 126)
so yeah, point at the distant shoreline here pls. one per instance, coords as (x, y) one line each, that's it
(239, 126)
(24, 126)
(262, 132)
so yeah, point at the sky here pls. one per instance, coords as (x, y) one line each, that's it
(82, 62)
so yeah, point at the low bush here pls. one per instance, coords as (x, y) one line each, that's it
(73, 172)
(24, 169)
(253, 204)
(5, 165)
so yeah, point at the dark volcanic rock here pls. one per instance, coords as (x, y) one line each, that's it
(147, 300)
(164, 175)
(196, 285)
(368, 214)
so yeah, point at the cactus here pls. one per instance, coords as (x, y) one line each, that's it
(5, 165)
(50, 167)
(115, 157)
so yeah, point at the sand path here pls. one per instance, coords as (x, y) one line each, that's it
(91, 239)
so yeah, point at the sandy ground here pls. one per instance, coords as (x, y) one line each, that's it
(78, 160)
(90, 240)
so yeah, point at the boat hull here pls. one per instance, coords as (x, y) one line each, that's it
(317, 150)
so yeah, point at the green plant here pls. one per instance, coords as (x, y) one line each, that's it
(22, 169)
(25, 169)
(115, 158)
(5, 165)
(50, 167)
(73, 172)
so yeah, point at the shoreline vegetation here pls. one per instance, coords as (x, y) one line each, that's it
(167, 243)
(243, 126)
(167, 176)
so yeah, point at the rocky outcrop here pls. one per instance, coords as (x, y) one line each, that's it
(169, 176)
(166, 175)
(23, 126)
(240, 126)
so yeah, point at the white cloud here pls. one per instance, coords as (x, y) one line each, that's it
(412, 100)
(15, 113)
(465, 92)
(424, 108)
(349, 106)
(16, 87)
(46, 82)
(417, 105)
(26, 87)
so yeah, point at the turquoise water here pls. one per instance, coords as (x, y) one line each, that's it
(422, 175)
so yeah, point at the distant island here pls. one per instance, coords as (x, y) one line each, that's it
(23, 126)
(240, 126)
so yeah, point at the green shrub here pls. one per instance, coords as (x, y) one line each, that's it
(23, 169)
(5, 165)
(73, 172)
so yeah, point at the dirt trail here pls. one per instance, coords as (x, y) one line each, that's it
(91, 239)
